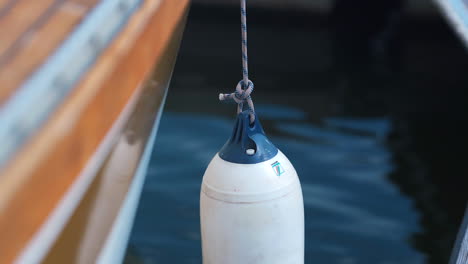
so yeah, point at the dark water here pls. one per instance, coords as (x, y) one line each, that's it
(376, 135)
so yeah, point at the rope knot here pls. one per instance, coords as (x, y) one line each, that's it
(243, 91)
(241, 95)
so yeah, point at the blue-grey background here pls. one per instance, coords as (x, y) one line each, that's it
(368, 102)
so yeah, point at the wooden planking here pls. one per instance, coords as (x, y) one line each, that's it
(31, 45)
(46, 167)
(21, 17)
(38, 49)
(5, 6)
(3, 3)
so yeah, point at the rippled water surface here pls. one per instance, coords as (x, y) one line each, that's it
(378, 161)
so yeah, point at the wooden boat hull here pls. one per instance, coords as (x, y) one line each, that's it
(70, 188)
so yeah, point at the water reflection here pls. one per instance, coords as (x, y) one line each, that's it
(378, 140)
(431, 170)
(353, 213)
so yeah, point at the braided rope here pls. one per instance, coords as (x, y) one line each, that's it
(245, 87)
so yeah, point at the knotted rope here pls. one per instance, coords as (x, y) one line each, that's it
(245, 87)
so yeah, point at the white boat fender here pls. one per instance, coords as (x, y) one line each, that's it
(251, 204)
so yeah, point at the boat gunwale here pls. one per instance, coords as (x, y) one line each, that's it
(59, 152)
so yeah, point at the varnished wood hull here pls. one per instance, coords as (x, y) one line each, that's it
(70, 188)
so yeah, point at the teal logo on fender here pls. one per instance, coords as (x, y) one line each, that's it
(277, 168)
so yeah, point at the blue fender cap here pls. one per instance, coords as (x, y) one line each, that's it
(247, 136)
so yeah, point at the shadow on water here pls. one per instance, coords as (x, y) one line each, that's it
(378, 142)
